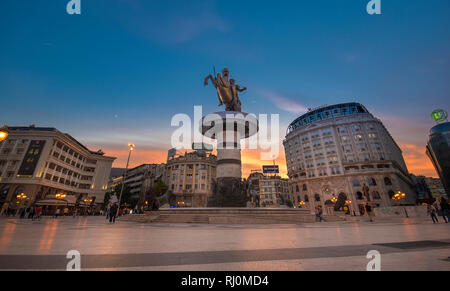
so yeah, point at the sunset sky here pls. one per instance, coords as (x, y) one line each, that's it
(118, 72)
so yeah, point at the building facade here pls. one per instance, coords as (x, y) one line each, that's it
(42, 162)
(273, 191)
(438, 150)
(190, 177)
(343, 150)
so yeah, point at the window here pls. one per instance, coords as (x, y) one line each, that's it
(391, 194)
(376, 195)
(342, 129)
(356, 128)
(326, 131)
(356, 183)
(344, 138)
(362, 147)
(372, 135)
(372, 182)
(359, 195)
(328, 140)
(350, 158)
(297, 189)
(358, 137)
(387, 181)
(347, 148)
(317, 197)
(306, 198)
(304, 187)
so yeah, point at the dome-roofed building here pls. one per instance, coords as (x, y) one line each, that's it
(344, 151)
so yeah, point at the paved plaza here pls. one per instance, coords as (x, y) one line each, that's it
(404, 244)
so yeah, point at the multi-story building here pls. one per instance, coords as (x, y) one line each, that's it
(134, 179)
(435, 187)
(42, 162)
(190, 177)
(438, 150)
(154, 173)
(343, 150)
(273, 191)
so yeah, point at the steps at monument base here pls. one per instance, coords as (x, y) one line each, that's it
(225, 218)
(333, 218)
(180, 218)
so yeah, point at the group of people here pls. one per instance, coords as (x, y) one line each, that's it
(33, 213)
(440, 205)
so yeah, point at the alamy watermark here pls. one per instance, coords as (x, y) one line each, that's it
(75, 260)
(73, 7)
(375, 261)
(227, 131)
(374, 7)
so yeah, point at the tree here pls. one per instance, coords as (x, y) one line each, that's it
(126, 195)
(160, 188)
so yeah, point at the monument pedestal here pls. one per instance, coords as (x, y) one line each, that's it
(228, 128)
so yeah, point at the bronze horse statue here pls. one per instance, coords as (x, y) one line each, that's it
(227, 90)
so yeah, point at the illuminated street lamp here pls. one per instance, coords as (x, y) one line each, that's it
(4, 132)
(131, 148)
(88, 200)
(398, 197)
(20, 198)
(333, 199)
(302, 203)
(60, 196)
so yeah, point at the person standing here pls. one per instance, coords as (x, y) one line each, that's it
(38, 212)
(112, 213)
(368, 208)
(319, 213)
(432, 212)
(444, 208)
(57, 212)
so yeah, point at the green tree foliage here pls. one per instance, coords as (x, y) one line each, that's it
(160, 188)
(126, 195)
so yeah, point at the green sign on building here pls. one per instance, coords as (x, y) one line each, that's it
(439, 115)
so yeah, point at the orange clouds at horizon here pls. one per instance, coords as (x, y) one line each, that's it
(416, 160)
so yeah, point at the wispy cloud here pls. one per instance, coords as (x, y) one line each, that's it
(174, 24)
(282, 102)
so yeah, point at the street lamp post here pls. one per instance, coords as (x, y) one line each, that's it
(131, 148)
(398, 197)
(4, 132)
(349, 205)
(20, 197)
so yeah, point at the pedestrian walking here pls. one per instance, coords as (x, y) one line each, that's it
(368, 208)
(432, 211)
(112, 213)
(319, 213)
(57, 212)
(444, 208)
(38, 212)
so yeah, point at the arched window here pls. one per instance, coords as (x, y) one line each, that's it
(317, 197)
(359, 195)
(387, 181)
(356, 183)
(376, 195)
(372, 182)
(298, 199)
(304, 187)
(306, 198)
(297, 189)
(391, 193)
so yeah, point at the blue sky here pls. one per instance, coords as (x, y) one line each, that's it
(122, 69)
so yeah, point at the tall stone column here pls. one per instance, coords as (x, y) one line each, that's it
(228, 128)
